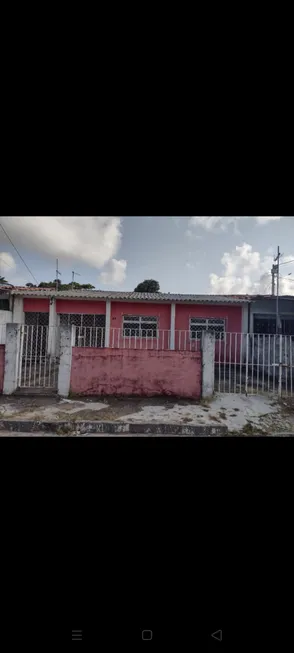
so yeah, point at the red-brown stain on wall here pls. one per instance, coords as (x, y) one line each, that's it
(145, 373)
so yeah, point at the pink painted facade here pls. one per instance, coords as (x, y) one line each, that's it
(136, 372)
(35, 305)
(2, 365)
(231, 314)
(76, 306)
(227, 349)
(161, 311)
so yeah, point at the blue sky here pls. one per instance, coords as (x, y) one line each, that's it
(185, 254)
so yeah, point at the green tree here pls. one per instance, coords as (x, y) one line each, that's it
(3, 280)
(149, 285)
(31, 285)
(64, 286)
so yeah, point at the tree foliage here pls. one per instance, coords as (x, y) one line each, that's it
(149, 285)
(3, 280)
(63, 286)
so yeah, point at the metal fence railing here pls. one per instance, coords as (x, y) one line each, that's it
(254, 363)
(119, 338)
(38, 359)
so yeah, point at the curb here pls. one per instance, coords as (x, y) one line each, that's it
(113, 428)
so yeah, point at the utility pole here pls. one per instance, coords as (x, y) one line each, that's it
(73, 278)
(57, 273)
(277, 266)
(273, 272)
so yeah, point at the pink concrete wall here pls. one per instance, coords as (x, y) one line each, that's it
(35, 305)
(2, 364)
(135, 372)
(76, 306)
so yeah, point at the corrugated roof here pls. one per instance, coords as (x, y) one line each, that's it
(133, 296)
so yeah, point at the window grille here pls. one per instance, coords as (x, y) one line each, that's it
(200, 324)
(141, 326)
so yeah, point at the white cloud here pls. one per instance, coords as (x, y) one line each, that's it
(221, 223)
(247, 271)
(91, 240)
(263, 220)
(6, 262)
(192, 235)
(11, 270)
(115, 272)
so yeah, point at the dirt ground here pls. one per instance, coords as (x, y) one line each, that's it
(79, 408)
(244, 415)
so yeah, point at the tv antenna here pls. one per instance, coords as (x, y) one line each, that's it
(73, 278)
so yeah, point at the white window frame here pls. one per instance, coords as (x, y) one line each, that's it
(194, 321)
(137, 323)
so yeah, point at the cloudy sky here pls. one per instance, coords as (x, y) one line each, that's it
(199, 254)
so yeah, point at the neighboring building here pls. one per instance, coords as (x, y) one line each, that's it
(263, 315)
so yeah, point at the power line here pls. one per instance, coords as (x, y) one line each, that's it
(287, 278)
(20, 256)
(286, 262)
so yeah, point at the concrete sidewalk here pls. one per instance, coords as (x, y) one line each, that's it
(16, 427)
(236, 414)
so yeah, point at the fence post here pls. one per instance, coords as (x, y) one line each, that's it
(107, 322)
(64, 370)
(208, 355)
(172, 325)
(12, 354)
(247, 362)
(280, 365)
(52, 330)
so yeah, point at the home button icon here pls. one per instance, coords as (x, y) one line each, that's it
(147, 635)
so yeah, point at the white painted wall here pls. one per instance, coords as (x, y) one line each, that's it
(5, 317)
(64, 371)
(12, 350)
(208, 353)
(18, 313)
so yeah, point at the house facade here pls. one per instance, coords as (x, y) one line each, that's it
(102, 326)
(129, 314)
(123, 319)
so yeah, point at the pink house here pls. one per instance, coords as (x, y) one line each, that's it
(162, 321)
(124, 342)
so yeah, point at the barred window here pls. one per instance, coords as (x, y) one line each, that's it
(266, 324)
(90, 330)
(82, 320)
(200, 324)
(142, 326)
(4, 304)
(36, 319)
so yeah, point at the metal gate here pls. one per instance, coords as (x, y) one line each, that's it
(38, 360)
(254, 364)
